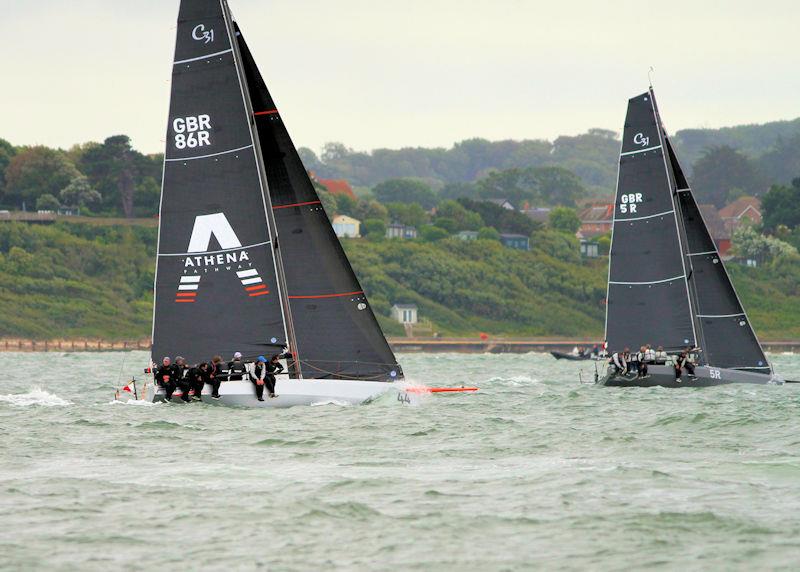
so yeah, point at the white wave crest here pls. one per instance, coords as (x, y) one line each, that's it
(37, 396)
(139, 402)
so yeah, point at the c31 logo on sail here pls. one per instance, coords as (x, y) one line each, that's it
(199, 34)
(640, 139)
(192, 131)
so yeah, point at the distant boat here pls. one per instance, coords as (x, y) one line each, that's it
(247, 259)
(574, 356)
(667, 283)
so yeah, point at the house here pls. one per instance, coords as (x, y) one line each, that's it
(717, 228)
(744, 210)
(596, 219)
(468, 235)
(590, 248)
(405, 313)
(517, 241)
(396, 230)
(345, 226)
(505, 203)
(338, 187)
(539, 214)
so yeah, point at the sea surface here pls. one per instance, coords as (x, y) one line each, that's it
(535, 471)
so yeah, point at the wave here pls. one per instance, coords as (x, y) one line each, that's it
(37, 396)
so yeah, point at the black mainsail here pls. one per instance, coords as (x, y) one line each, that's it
(335, 333)
(698, 305)
(247, 259)
(648, 299)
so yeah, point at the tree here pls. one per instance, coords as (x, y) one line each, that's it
(447, 224)
(457, 190)
(488, 233)
(7, 151)
(781, 206)
(329, 202)
(747, 243)
(502, 219)
(432, 233)
(405, 191)
(536, 185)
(559, 245)
(465, 219)
(35, 171)
(113, 169)
(79, 193)
(345, 204)
(564, 219)
(721, 169)
(411, 215)
(373, 229)
(371, 209)
(47, 202)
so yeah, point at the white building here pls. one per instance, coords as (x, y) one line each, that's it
(345, 226)
(405, 313)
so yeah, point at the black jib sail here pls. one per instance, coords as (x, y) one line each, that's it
(332, 328)
(648, 298)
(724, 331)
(216, 290)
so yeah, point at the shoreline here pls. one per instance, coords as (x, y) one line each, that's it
(401, 345)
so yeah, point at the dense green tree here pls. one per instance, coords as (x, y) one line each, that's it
(488, 233)
(781, 206)
(35, 171)
(721, 169)
(564, 219)
(747, 243)
(373, 229)
(504, 220)
(449, 225)
(559, 245)
(47, 202)
(367, 208)
(7, 151)
(464, 219)
(782, 162)
(346, 204)
(409, 214)
(538, 186)
(79, 193)
(458, 190)
(430, 233)
(405, 191)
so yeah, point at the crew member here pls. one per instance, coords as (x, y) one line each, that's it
(685, 362)
(595, 350)
(181, 381)
(633, 361)
(166, 376)
(642, 362)
(661, 356)
(262, 376)
(649, 354)
(197, 377)
(619, 361)
(215, 376)
(236, 368)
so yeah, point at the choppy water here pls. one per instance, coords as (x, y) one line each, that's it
(535, 471)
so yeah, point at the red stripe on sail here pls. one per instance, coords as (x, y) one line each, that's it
(256, 287)
(296, 205)
(184, 300)
(186, 294)
(328, 295)
(267, 112)
(262, 293)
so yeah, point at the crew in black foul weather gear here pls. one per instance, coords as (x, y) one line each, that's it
(264, 375)
(181, 380)
(198, 377)
(236, 368)
(166, 376)
(215, 376)
(684, 362)
(643, 360)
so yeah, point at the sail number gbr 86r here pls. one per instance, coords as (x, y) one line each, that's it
(192, 131)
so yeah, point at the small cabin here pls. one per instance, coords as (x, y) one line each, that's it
(468, 235)
(346, 227)
(405, 313)
(503, 203)
(590, 248)
(515, 241)
(401, 231)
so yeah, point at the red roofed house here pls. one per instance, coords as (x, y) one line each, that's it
(716, 227)
(744, 210)
(596, 219)
(338, 187)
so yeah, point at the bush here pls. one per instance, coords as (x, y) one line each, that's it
(431, 233)
(373, 229)
(488, 233)
(47, 202)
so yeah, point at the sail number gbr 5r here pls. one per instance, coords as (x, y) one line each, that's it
(192, 131)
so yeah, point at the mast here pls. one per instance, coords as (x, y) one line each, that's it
(233, 35)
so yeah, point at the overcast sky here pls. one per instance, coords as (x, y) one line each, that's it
(381, 73)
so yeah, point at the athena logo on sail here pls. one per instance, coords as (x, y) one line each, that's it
(199, 33)
(640, 139)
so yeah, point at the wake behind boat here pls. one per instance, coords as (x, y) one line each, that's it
(667, 283)
(247, 259)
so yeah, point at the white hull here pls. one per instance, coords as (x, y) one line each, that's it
(290, 392)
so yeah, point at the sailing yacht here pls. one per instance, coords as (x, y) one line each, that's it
(667, 283)
(247, 258)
